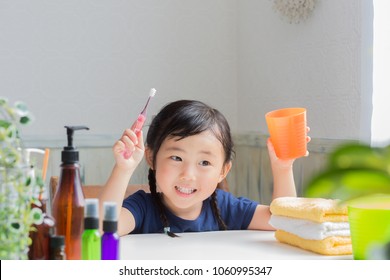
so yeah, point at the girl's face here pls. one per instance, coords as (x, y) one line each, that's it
(188, 171)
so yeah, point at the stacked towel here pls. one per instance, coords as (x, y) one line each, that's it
(313, 209)
(308, 229)
(315, 224)
(333, 245)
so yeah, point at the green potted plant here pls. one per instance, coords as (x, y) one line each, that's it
(359, 175)
(16, 184)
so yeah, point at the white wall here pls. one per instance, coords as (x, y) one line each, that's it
(93, 62)
(315, 64)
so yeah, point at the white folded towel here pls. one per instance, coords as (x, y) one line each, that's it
(309, 230)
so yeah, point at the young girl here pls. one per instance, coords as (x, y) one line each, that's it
(189, 150)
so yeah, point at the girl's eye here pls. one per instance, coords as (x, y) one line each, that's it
(205, 163)
(176, 158)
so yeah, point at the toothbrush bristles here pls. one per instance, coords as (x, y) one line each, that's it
(152, 92)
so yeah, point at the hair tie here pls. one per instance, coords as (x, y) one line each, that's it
(167, 229)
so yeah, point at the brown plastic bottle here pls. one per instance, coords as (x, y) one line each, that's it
(68, 202)
(40, 236)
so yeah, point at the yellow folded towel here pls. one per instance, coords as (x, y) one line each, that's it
(333, 245)
(313, 209)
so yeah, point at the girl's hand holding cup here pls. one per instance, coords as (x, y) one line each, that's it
(288, 132)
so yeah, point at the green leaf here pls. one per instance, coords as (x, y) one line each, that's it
(3, 101)
(39, 181)
(15, 226)
(37, 215)
(24, 120)
(28, 181)
(348, 184)
(21, 106)
(4, 123)
(353, 156)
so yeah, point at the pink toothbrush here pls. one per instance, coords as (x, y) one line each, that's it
(138, 124)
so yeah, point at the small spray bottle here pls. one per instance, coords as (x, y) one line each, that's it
(110, 238)
(90, 240)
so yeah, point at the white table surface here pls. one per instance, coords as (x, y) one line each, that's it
(214, 245)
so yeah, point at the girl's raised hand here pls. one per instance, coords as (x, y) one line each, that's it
(129, 142)
(282, 163)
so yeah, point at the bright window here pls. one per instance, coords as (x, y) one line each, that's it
(380, 125)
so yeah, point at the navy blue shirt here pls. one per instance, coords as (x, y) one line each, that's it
(236, 212)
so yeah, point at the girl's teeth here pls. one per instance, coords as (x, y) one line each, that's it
(185, 190)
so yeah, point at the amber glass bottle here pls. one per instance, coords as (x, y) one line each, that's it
(68, 202)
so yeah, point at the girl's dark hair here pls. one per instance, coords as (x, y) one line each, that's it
(181, 119)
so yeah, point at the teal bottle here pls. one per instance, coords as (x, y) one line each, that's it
(91, 240)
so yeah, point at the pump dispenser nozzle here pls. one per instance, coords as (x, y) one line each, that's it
(70, 154)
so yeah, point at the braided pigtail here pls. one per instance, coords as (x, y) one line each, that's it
(217, 213)
(157, 198)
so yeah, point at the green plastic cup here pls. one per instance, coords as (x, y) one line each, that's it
(369, 221)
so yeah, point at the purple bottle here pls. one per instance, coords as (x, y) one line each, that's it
(110, 238)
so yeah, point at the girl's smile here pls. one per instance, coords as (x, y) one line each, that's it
(184, 191)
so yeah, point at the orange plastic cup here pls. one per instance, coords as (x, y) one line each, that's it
(287, 128)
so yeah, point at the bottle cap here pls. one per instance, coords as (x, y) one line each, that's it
(110, 211)
(57, 241)
(91, 209)
(110, 221)
(91, 213)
